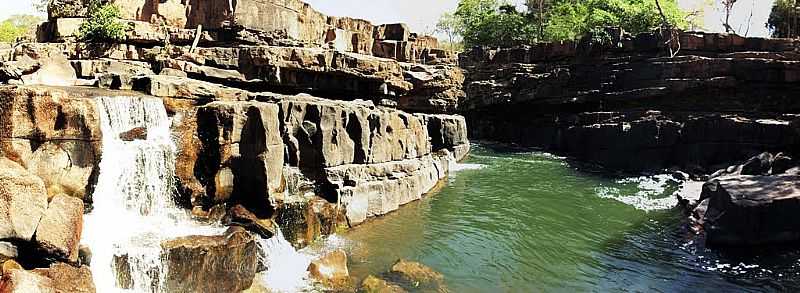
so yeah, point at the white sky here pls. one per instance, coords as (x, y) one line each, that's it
(421, 15)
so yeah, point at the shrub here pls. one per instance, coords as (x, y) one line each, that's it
(103, 23)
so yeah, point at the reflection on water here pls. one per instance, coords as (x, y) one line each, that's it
(527, 222)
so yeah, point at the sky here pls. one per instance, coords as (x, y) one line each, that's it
(422, 15)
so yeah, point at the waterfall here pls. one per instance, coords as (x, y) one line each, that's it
(134, 210)
(286, 267)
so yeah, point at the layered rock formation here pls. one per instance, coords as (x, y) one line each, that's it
(281, 117)
(626, 105)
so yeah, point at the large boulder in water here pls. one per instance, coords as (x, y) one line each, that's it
(374, 284)
(331, 269)
(23, 200)
(751, 210)
(59, 232)
(225, 263)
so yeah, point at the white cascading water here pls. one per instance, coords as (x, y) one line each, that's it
(133, 206)
(286, 267)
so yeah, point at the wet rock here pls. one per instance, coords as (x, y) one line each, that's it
(417, 276)
(23, 200)
(138, 133)
(67, 278)
(781, 163)
(240, 216)
(59, 231)
(372, 284)
(752, 210)
(299, 223)
(84, 255)
(758, 165)
(225, 263)
(331, 269)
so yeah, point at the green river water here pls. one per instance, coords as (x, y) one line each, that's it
(520, 221)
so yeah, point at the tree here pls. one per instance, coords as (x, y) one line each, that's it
(570, 19)
(17, 26)
(783, 20)
(449, 25)
(103, 23)
(727, 5)
(493, 23)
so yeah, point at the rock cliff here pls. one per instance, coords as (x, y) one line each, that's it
(279, 115)
(626, 105)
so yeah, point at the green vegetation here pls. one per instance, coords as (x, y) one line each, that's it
(103, 23)
(498, 23)
(784, 20)
(18, 26)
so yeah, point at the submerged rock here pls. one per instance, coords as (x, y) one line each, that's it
(417, 276)
(23, 200)
(373, 284)
(225, 263)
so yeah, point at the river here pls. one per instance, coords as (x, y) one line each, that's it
(520, 221)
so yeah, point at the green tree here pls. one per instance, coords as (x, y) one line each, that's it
(784, 19)
(450, 26)
(17, 26)
(570, 19)
(493, 23)
(103, 23)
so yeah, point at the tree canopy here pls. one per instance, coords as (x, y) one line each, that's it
(785, 19)
(18, 26)
(498, 23)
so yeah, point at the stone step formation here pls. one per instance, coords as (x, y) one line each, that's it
(289, 122)
(283, 119)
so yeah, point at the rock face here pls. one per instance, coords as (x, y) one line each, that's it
(54, 133)
(23, 200)
(722, 99)
(59, 231)
(225, 263)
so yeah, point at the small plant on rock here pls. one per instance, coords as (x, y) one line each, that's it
(103, 23)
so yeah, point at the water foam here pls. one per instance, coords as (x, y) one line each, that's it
(652, 192)
(286, 267)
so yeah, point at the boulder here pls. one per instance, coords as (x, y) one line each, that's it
(394, 32)
(373, 284)
(59, 231)
(752, 210)
(22, 281)
(417, 276)
(239, 215)
(758, 165)
(67, 278)
(23, 201)
(331, 269)
(225, 263)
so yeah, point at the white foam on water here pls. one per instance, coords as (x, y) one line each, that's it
(133, 206)
(458, 167)
(287, 268)
(651, 195)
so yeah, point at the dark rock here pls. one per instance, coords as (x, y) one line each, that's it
(138, 133)
(781, 163)
(239, 215)
(752, 210)
(758, 165)
(225, 263)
